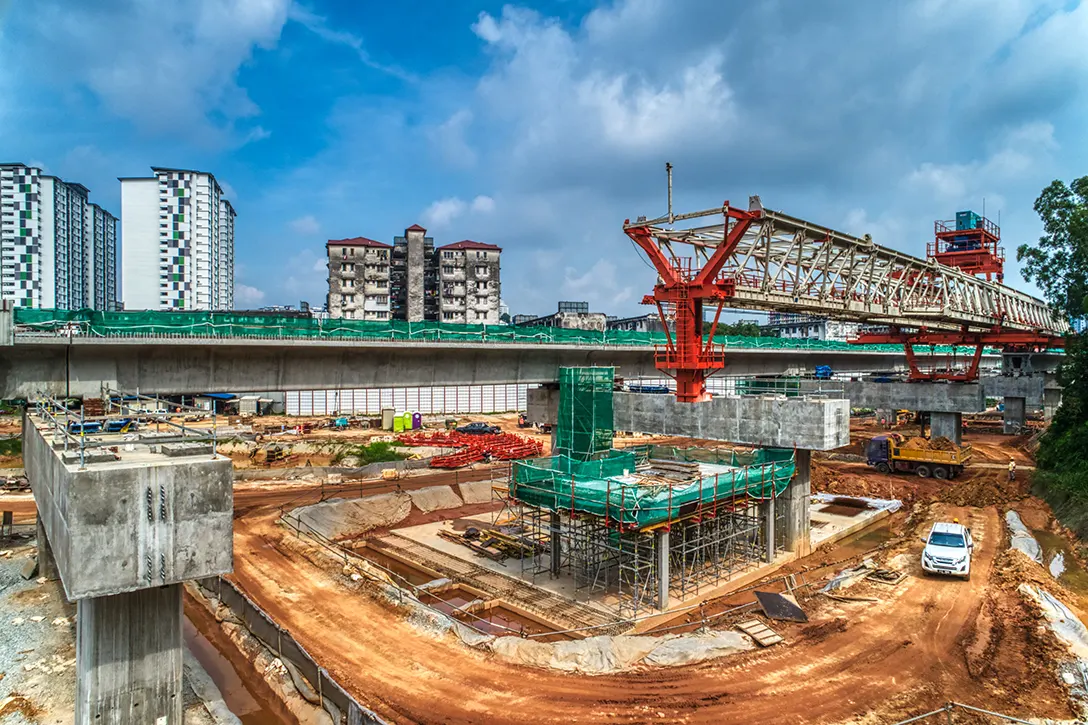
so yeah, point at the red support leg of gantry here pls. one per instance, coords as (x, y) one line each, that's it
(682, 288)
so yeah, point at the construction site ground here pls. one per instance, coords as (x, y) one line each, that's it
(922, 642)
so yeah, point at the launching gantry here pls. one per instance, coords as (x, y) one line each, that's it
(759, 259)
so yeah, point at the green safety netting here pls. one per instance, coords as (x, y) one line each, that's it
(585, 411)
(241, 325)
(597, 487)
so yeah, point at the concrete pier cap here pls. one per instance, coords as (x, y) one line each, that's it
(770, 421)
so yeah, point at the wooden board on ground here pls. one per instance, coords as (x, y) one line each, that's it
(760, 632)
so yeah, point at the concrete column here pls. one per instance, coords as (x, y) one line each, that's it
(1014, 414)
(555, 546)
(948, 425)
(129, 658)
(768, 529)
(1052, 398)
(795, 501)
(662, 552)
(47, 565)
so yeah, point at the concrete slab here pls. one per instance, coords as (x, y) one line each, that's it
(817, 424)
(345, 518)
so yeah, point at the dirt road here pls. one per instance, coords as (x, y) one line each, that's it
(901, 655)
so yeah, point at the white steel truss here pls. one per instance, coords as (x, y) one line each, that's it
(788, 264)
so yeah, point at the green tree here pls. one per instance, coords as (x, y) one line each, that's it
(1059, 262)
(1059, 265)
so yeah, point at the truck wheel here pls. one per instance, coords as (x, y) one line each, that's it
(923, 471)
(940, 472)
(883, 467)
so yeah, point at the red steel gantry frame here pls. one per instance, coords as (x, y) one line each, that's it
(680, 293)
(767, 260)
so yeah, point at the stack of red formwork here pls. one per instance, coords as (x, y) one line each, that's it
(472, 448)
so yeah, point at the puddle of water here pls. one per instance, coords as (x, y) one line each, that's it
(237, 697)
(449, 600)
(408, 572)
(869, 539)
(1073, 577)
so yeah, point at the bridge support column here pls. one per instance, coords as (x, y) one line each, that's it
(1014, 415)
(555, 550)
(47, 564)
(662, 552)
(1052, 398)
(948, 425)
(795, 502)
(129, 658)
(769, 537)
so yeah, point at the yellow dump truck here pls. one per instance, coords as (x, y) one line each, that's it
(892, 452)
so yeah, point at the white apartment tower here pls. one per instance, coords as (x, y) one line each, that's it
(59, 250)
(177, 231)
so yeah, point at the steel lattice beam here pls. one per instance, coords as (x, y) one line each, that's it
(788, 264)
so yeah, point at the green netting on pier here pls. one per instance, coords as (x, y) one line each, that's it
(604, 488)
(584, 422)
(95, 323)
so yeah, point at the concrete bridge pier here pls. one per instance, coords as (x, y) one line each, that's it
(661, 549)
(129, 657)
(123, 530)
(948, 425)
(1014, 415)
(795, 502)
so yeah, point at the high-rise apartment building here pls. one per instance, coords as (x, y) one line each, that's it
(413, 280)
(177, 231)
(58, 249)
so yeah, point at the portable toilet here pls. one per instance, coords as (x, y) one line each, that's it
(406, 420)
(417, 421)
(388, 414)
(398, 423)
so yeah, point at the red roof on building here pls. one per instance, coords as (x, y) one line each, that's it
(357, 242)
(415, 228)
(469, 244)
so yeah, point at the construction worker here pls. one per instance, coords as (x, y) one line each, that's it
(1012, 470)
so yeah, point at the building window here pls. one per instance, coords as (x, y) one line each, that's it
(381, 284)
(349, 283)
(481, 270)
(447, 315)
(381, 299)
(481, 255)
(447, 269)
(349, 314)
(447, 255)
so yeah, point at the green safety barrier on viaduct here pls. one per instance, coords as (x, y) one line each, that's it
(80, 352)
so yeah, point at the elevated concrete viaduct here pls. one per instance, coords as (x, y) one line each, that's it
(32, 366)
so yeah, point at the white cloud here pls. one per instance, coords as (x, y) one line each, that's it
(442, 213)
(305, 225)
(1021, 151)
(246, 297)
(319, 26)
(449, 138)
(165, 66)
(599, 285)
(483, 204)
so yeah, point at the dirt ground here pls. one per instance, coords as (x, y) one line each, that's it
(922, 643)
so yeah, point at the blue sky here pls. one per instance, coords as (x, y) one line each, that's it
(541, 126)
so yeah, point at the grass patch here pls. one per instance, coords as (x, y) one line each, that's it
(377, 452)
(11, 446)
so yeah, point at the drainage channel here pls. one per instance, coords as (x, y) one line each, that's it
(462, 603)
(241, 694)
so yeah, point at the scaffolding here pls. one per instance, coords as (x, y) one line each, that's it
(600, 521)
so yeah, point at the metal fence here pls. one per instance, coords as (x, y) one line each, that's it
(332, 697)
(951, 707)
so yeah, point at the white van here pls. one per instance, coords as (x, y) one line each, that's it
(948, 550)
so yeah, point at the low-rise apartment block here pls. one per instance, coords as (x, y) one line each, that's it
(414, 280)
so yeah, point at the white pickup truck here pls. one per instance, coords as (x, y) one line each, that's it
(948, 550)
